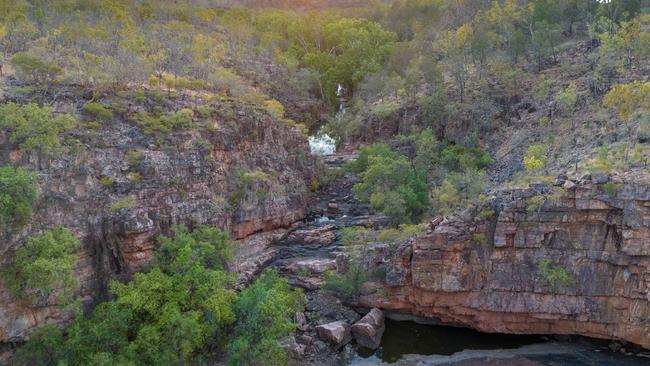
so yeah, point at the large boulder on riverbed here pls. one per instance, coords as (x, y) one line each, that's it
(369, 330)
(337, 334)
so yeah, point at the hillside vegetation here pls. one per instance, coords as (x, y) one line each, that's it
(441, 99)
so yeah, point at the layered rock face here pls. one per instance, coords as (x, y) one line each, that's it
(566, 260)
(238, 168)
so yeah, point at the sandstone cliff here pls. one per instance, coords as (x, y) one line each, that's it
(237, 168)
(549, 260)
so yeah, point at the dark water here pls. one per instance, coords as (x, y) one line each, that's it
(404, 337)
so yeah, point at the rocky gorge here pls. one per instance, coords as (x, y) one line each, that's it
(563, 259)
(238, 168)
(569, 258)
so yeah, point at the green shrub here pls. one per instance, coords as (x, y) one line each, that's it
(274, 108)
(246, 179)
(106, 181)
(163, 317)
(347, 284)
(611, 188)
(92, 125)
(356, 235)
(45, 264)
(160, 125)
(34, 127)
(33, 68)
(534, 203)
(122, 204)
(535, 157)
(375, 150)
(392, 186)
(400, 234)
(567, 98)
(553, 275)
(17, 196)
(486, 214)
(446, 198)
(134, 157)
(205, 111)
(603, 162)
(329, 176)
(134, 177)
(265, 311)
(203, 145)
(479, 238)
(98, 111)
(178, 120)
(384, 109)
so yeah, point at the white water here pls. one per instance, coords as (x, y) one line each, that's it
(322, 144)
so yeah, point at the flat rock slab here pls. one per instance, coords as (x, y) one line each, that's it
(313, 266)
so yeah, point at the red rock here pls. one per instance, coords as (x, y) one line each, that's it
(498, 285)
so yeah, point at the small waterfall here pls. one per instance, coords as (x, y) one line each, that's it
(321, 143)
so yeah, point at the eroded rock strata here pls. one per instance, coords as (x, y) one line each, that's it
(238, 168)
(576, 261)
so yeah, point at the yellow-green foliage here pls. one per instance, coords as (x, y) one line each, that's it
(44, 265)
(603, 162)
(33, 68)
(134, 177)
(555, 276)
(161, 125)
(18, 193)
(275, 108)
(347, 284)
(98, 111)
(611, 188)
(106, 181)
(299, 126)
(567, 99)
(402, 233)
(123, 204)
(629, 98)
(384, 109)
(251, 177)
(179, 82)
(478, 238)
(535, 157)
(134, 157)
(356, 235)
(446, 198)
(35, 128)
(486, 214)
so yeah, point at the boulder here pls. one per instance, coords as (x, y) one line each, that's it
(301, 321)
(369, 330)
(569, 184)
(337, 334)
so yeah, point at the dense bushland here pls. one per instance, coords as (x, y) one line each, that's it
(18, 194)
(439, 177)
(181, 311)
